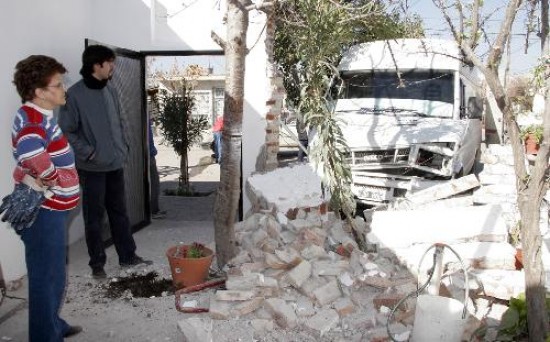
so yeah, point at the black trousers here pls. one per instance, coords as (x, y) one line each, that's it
(104, 192)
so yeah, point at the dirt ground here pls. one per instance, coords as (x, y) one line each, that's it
(148, 319)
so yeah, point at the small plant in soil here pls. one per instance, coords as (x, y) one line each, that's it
(194, 250)
(145, 286)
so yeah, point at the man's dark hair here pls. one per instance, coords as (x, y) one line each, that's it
(95, 54)
(35, 72)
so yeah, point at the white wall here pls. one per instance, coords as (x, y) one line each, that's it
(256, 90)
(58, 28)
(54, 28)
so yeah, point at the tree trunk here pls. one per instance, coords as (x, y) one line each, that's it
(184, 162)
(227, 200)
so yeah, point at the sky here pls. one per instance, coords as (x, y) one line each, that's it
(436, 27)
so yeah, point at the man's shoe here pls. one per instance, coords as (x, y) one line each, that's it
(136, 260)
(73, 330)
(98, 273)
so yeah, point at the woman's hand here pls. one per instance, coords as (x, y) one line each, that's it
(44, 184)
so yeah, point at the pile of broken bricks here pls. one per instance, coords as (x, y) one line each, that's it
(300, 268)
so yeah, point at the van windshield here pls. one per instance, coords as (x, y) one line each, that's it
(416, 85)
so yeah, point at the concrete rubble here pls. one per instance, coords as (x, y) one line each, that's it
(299, 268)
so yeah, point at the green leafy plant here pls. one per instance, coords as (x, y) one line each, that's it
(513, 324)
(534, 130)
(193, 251)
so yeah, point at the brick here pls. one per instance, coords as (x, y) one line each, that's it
(327, 293)
(310, 285)
(323, 321)
(314, 235)
(304, 307)
(388, 300)
(313, 252)
(233, 295)
(299, 274)
(344, 306)
(281, 312)
(330, 268)
(245, 282)
(247, 307)
(219, 309)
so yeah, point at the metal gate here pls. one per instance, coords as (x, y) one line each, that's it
(128, 80)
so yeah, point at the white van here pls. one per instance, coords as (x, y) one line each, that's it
(410, 111)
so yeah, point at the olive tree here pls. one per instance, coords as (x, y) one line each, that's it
(531, 182)
(180, 128)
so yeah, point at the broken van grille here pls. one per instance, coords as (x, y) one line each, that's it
(391, 156)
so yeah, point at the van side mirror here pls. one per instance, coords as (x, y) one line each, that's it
(474, 110)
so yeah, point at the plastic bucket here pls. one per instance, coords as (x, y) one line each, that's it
(438, 319)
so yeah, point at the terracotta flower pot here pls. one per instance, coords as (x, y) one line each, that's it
(519, 259)
(531, 145)
(188, 271)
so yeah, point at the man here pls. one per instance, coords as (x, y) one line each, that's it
(92, 121)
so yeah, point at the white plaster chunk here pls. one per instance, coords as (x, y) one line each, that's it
(444, 190)
(398, 229)
(454, 202)
(322, 322)
(288, 187)
(501, 284)
(479, 255)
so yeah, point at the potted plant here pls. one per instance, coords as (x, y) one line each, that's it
(532, 137)
(189, 264)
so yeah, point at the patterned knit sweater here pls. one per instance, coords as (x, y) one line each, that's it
(41, 150)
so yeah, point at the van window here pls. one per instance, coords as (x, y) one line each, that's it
(418, 85)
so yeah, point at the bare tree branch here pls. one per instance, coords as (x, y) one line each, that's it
(218, 40)
(475, 25)
(495, 55)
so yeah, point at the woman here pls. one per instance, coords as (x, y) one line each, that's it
(41, 151)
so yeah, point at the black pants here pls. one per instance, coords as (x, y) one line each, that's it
(104, 191)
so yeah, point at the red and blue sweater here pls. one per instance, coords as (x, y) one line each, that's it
(42, 151)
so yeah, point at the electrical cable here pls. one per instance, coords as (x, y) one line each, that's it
(430, 273)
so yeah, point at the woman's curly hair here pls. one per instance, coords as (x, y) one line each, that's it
(35, 72)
